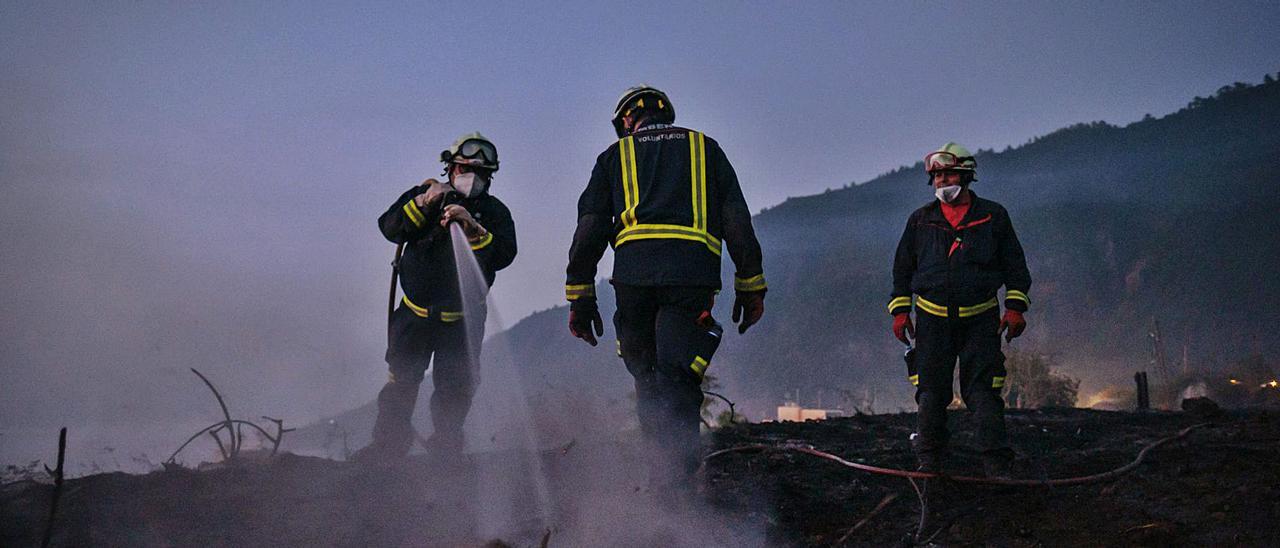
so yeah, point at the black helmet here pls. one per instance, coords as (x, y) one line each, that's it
(635, 97)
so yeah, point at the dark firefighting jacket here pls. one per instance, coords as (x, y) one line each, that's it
(668, 201)
(427, 273)
(956, 271)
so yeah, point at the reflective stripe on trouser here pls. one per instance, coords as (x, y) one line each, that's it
(660, 341)
(975, 343)
(414, 342)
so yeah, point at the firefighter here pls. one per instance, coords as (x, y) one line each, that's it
(429, 321)
(955, 254)
(667, 200)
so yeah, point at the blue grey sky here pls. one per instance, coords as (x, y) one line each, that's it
(197, 183)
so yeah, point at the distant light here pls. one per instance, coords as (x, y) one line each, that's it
(1233, 381)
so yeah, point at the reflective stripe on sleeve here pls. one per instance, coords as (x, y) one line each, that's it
(414, 214)
(898, 302)
(484, 242)
(754, 283)
(1016, 295)
(997, 382)
(574, 292)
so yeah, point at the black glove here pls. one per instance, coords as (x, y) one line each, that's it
(583, 315)
(748, 306)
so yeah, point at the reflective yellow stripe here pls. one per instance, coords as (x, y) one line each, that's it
(936, 310)
(484, 241)
(674, 232)
(635, 178)
(698, 179)
(1017, 296)
(619, 345)
(450, 316)
(964, 312)
(899, 302)
(699, 365)
(754, 283)
(420, 311)
(411, 210)
(997, 382)
(630, 184)
(574, 292)
(915, 380)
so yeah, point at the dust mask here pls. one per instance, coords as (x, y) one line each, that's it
(470, 185)
(948, 194)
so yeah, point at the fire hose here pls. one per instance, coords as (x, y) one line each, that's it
(912, 476)
(909, 474)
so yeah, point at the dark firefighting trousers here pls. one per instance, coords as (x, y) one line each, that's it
(666, 351)
(975, 342)
(413, 343)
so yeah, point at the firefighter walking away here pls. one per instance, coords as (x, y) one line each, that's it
(668, 201)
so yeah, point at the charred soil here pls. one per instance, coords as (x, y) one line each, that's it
(1217, 486)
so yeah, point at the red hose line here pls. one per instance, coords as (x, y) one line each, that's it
(1079, 480)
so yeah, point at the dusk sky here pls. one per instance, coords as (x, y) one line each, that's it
(197, 185)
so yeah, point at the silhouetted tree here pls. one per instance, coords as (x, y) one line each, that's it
(1032, 383)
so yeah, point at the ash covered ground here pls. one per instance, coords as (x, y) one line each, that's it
(1218, 486)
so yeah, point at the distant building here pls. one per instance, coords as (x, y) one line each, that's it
(792, 412)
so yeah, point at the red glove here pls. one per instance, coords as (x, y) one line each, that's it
(748, 306)
(902, 327)
(583, 316)
(1012, 321)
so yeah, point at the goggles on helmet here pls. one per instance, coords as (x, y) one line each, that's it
(942, 161)
(472, 150)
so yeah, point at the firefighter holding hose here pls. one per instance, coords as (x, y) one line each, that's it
(429, 321)
(955, 254)
(668, 201)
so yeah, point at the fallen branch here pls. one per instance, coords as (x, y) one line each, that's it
(884, 503)
(215, 427)
(57, 487)
(222, 449)
(280, 432)
(732, 414)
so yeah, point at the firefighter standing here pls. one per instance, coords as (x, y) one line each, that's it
(664, 197)
(428, 323)
(955, 253)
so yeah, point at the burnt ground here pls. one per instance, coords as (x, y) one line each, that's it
(1218, 486)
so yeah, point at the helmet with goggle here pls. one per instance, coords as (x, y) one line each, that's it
(644, 97)
(951, 157)
(472, 149)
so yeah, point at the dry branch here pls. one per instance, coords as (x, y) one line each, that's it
(57, 487)
(235, 448)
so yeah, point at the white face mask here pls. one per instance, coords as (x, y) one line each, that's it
(948, 194)
(470, 185)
